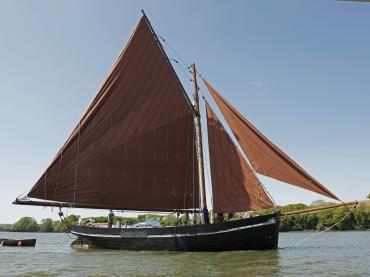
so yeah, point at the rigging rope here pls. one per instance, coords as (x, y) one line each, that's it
(323, 231)
(46, 174)
(185, 68)
(194, 158)
(187, 158)
(59, 167)
(77, 160)
(63, 219)
(209, 177)
(180, 59)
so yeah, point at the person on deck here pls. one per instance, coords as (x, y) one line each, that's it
(230, 216)
(219, 218)
(205, 216)
(110, 219)
(186, 218)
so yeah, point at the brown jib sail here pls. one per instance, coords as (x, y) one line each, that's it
(235, 187)
(265, 157)
(134, 147)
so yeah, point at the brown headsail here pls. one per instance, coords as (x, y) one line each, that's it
(235, 187)
(134, 147)
(265, 157)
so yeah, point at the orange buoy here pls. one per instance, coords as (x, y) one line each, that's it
(20, 243)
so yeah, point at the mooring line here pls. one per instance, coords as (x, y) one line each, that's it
(319, 233)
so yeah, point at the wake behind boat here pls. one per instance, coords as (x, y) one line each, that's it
(139, 147)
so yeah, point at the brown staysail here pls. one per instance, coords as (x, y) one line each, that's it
(265, 157)
(134, 147)
(234, 185)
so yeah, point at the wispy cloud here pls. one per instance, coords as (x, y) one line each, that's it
(257, 83)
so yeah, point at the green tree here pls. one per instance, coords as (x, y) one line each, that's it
(368, 196)
(57, 226)
(127, 220)
(5, 227)
(168, 220)
(292, 207)
(325, 219)
(345, 222)
(319, 203)
(25, 224)
(65, 225)
(285, 224)
(73, 219)
(144, 217)
(100, 219)
(362, 217)
(46, 225)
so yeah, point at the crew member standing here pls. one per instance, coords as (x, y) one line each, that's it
(110, 219)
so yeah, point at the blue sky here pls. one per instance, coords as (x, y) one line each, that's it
(299, 70)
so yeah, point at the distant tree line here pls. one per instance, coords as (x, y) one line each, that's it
(357, 219)
(29, 224)
(5, 227)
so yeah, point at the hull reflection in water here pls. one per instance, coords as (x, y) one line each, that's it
(260, 232)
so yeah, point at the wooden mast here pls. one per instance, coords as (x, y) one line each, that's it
(199, 143)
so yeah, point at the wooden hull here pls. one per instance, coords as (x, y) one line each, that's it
(15, 242)
(246, 234)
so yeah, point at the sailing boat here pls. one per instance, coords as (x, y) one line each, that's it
(139, 147)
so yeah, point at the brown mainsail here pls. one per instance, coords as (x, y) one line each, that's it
(134, 147)
(235, 187)
(265, 157)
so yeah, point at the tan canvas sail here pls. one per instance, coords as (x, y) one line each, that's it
(134, 147)
(265, 157)
(234, 185)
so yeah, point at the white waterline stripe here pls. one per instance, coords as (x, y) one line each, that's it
(212, 233)
(178, 235)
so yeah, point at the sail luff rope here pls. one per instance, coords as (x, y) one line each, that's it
(194, 157)
(60, 164)
(77, 160)
(267, 192)
(209, 180)
(46, 174)
(260, 184)
(179, 58)
(185, 68)
(208, 162)
(187, 158)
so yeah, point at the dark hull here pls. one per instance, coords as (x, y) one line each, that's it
(15, 242)
(246, 234)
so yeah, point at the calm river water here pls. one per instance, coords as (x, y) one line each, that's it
(328, 254)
